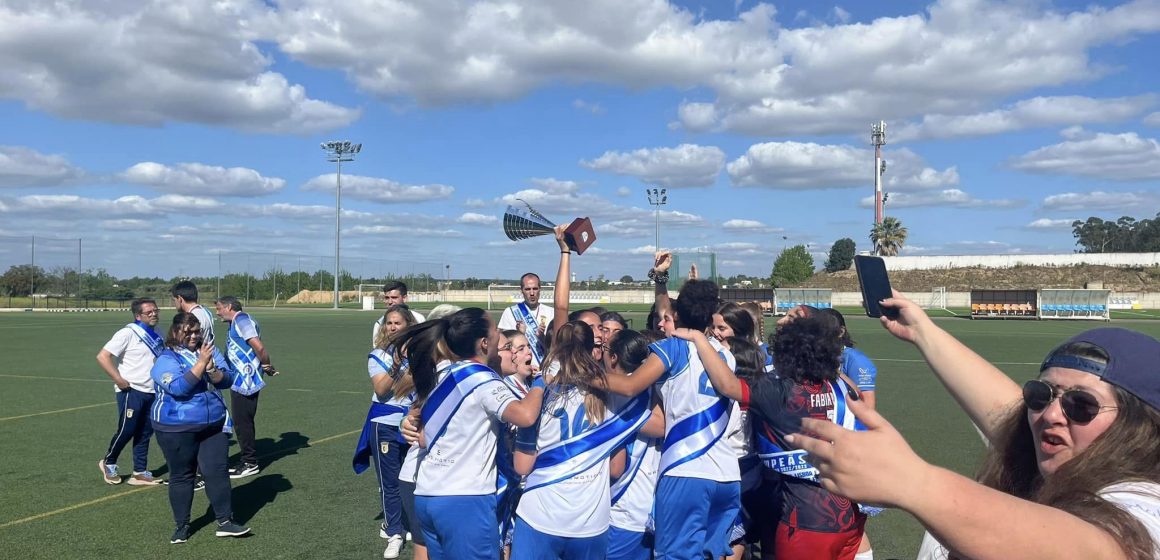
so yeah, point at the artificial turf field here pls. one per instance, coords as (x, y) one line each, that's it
(57, 414)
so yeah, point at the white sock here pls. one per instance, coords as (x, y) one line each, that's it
(868, 555)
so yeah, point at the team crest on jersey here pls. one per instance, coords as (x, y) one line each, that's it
(129, 413)
(167, 378)
(384, 447)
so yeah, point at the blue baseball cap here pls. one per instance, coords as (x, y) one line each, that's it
(1133, 361)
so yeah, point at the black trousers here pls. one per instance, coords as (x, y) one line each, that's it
(243, 409)
(186, 453)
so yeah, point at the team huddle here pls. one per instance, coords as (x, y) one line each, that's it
(565, 434)
(559, 433)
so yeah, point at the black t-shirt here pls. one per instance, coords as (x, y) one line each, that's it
(777, 407)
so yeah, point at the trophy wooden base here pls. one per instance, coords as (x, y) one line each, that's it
(579, 235)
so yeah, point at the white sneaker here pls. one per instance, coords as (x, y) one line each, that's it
(394, 546)
(408, 537)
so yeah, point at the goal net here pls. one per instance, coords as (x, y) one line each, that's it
(938, 298)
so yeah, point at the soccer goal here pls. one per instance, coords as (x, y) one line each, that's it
(500, 296)
(369, 294)
(938, 298)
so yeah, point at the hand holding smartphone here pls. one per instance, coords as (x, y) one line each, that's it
(875, 285)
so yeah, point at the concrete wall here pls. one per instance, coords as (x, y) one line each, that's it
(1009, 261)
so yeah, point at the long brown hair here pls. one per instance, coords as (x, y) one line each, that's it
(572, 348)
(1129, 450)
(383, 340)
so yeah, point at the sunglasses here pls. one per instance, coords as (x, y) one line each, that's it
(1078, 406)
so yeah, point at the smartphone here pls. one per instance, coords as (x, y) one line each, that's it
(875, 284)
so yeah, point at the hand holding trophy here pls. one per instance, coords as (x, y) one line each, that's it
(523, 224)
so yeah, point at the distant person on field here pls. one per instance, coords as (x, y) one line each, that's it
(127, 359)
(250, 361)
(529, 316)
(394, 293)
(185, 300)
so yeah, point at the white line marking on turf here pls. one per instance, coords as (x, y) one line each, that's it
(50, 378)
(53, 411)
(67, 509)
(924, 361)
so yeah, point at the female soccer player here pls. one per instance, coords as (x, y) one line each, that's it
(462, 407)
(564, 511)
(389, 404)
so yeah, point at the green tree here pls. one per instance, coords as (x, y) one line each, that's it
(20, 279)
(626, 279)
(1125, 235)
(888, 237)
(841, 255)
(793, 266)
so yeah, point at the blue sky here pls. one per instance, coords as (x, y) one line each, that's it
(163, 133)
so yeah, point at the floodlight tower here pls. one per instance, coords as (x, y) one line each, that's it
(338, 152)
(878, 137)
(657, 198)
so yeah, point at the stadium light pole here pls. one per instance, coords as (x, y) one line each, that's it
(657, 198)
(878, 138)
(338, 152)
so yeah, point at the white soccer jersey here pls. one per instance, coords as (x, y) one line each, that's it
(462, 462)
(686, 390)
(577, 506)
(634, 504)
(380, 362)
(206, 320)
(134, 359)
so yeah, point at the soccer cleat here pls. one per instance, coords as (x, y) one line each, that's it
(144, 478)
(383, 532)
(246, 469)
(230, 529)
(394, 546)
(180, 535)
(109, 472)
(199, 484)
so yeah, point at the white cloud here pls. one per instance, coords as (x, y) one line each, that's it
(1153, 119)
(687, 165)
(201, 179)
(954, 198)
(126, 225)
(403, 231)
(841, 15)
(374, 189)
(1036, 112)
(154, 63)
(1129, 202)
(1048, 224)
(748, 226)
(809, 166)
(25, 167)
(472, 218)
(475, 203)
(589, 107)
(623, 191)
(1117, 157)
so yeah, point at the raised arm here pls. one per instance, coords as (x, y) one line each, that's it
(981, 389)
(661, 263)
(563, 288)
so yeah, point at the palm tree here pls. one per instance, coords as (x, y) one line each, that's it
(888, 237)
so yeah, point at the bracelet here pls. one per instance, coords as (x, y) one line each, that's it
(658, 277)
(565, 252)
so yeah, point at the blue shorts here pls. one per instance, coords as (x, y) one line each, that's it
(694, 516)
(629, 545)
(459, 527)
(530, 544)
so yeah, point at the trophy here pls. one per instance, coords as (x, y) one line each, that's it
(522, 224)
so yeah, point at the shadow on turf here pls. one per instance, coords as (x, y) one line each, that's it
(269, 450)
(248, 499)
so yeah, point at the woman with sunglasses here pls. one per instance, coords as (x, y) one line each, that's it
(190, 424)
(1073, 469)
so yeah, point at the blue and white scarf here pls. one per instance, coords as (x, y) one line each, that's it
(147, 336)
(694, 435)
(525, 316)
(248, 368)
(565, 459)
(444, 401)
